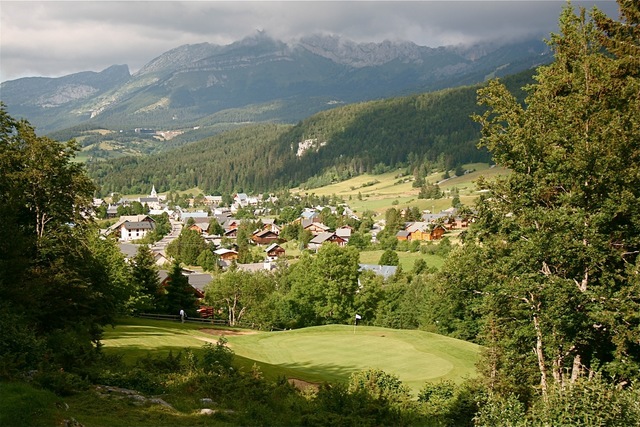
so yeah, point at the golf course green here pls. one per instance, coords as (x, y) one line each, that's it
(324, 353)
(333, 353)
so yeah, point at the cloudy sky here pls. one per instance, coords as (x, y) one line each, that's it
(53, 38)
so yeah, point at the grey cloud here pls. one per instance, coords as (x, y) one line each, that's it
(52, 38)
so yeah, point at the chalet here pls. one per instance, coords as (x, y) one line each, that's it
(198, 281)
(161, 258)
(226, 254)
(456, 223)
(231, 224)
(316, 228)
(344, 232)
(135, 230)
(256, 266)
(403, 235)
(307, 217)
(164, 210)
(437, 231)
(270, 224)
(241, 200)
(213, 200)
(132, 227)
(432, 218)
(129, 250)
(184, 216)
(201, 225)
(112, 211)
(274, 251)
(418, 231)
(321, 238)
(264, 237)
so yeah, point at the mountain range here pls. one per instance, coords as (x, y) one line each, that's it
(209, 87)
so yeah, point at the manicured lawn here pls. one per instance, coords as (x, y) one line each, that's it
(333, 353)
(325, 353)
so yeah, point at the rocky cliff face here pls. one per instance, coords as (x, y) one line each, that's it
(50, 92)
(360, 55)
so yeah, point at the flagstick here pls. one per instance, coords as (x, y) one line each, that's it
(354, 327)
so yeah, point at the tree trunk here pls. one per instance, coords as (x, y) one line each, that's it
(540, 354)
(576, 370)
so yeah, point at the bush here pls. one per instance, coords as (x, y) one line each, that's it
(20, 348)
(589, 402)
(60, 382)
(161, 365)
(218, 357)
(448, 404)
(379, 385)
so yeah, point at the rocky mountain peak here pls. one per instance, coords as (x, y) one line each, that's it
(358, 55)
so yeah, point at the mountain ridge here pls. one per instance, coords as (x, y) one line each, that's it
(193, 83)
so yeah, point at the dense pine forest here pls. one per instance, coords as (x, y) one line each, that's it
(546, 280)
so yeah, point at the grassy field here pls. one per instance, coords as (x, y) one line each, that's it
(381, 192)
(407, 259)
(327, 353)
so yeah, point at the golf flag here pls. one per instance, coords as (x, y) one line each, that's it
(358, 317)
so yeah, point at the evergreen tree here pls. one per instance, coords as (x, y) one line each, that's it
(207, 260)
(215, 229)
(145, 277)
(180, 295)
(561, 234)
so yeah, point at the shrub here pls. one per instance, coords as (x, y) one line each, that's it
(379, 385)
(60, 382)
(218, 357)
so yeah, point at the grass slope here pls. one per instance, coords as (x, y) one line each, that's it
(380, 192)
(325, 353)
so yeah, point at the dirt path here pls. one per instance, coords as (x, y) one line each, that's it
(302, 385)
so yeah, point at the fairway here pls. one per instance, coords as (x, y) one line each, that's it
(334, 352)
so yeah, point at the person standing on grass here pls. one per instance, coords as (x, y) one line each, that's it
(182, 315)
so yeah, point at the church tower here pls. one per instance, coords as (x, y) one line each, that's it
(153, 192)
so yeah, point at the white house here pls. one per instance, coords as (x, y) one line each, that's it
(133, 227)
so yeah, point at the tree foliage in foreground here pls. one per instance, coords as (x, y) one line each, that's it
(58, 280)
(558, 239)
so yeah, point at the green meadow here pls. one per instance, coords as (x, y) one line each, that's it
(407, 259)
(380, 192)
(318, 354)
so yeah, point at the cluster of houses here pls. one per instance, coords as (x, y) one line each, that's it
(433, 226)
(157, 203)
(129, 229)
(136, 227)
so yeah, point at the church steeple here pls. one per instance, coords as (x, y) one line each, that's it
(153, 192)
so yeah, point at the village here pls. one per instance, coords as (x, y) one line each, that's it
(133, 230)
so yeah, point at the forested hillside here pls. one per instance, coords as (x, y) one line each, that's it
(343, 142)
